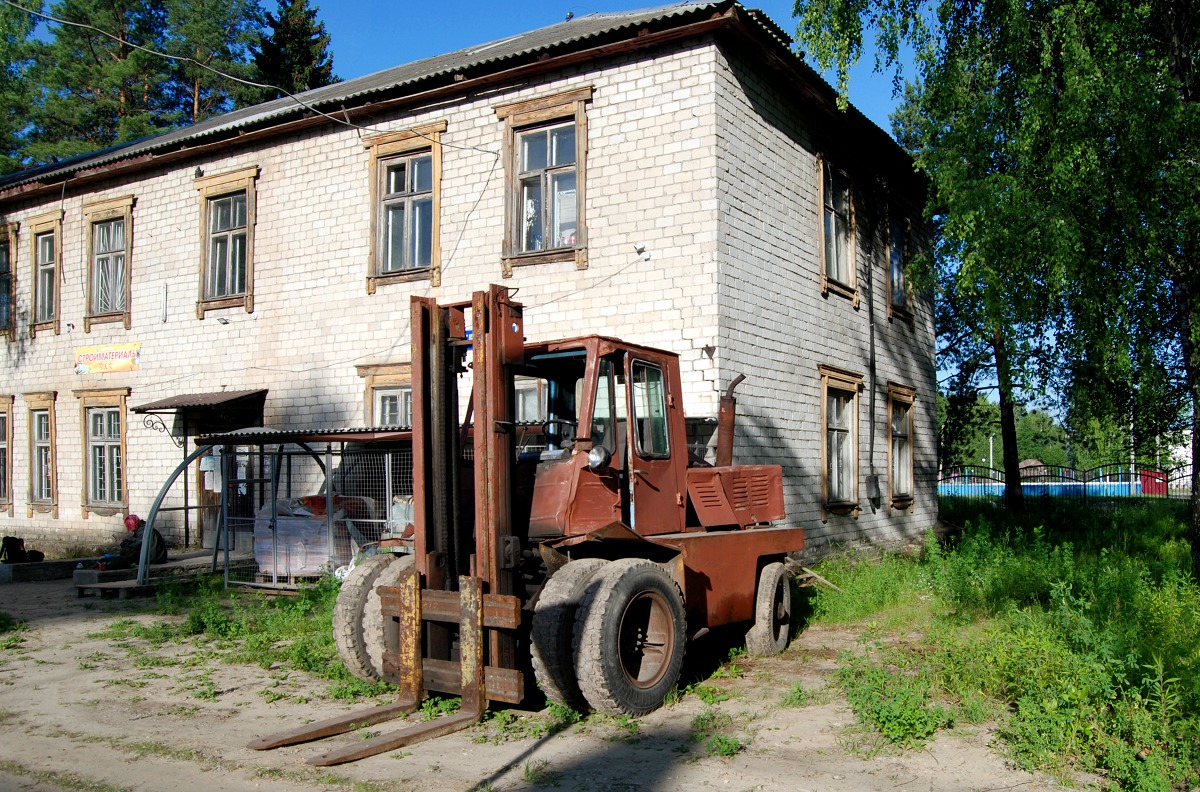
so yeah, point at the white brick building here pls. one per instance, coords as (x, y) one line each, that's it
(252, 251)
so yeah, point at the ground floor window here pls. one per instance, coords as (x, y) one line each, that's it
(103, 433)
(839, 439)
(900, 448)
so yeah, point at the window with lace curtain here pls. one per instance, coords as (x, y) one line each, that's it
(109, 246)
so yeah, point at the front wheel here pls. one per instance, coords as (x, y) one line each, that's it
(772, 630)
(629, 638)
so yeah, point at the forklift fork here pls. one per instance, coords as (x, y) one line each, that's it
(469, 677)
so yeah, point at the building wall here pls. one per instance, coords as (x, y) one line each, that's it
(691, 154)
(776, 326)
(650, 181)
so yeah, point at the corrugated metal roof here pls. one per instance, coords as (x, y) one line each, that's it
(334, 97)
(191, 400)
(265, 436)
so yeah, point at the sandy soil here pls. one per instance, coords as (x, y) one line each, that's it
(76, 713)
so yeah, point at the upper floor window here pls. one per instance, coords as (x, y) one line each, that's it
(226, 246)
(899, 255)
(837, 249)
(406, 169)
(6, 498)
(46, 231)
(227, 226)
(900, 449)
(545, 166)
(109, 225)
(839, 442)
(43, 453)
(8, 248)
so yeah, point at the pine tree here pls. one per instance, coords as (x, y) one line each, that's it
(16, 87)
(295, 55)
(217, 34)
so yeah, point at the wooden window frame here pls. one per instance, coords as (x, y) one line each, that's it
(829, 285)
(899, 310)
(93, 399)
(6, 456)
(49, 223)
(526, 115)
(102, 212)
(380, 376)
(901, 394)
(8, 235)
(384, 149)
(34, 403)
(213, 188)
(847, 382)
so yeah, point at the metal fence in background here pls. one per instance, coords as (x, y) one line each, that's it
(292, 513)
(1051, 481)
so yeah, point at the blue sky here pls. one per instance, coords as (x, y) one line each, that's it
(370, 35)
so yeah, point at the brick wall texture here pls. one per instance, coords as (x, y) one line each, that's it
(692, 153)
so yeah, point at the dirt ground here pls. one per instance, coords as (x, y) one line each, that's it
(76, 713)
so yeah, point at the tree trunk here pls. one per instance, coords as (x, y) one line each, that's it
(1014, 499)
(1191, 368)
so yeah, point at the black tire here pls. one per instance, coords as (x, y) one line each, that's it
(377, 631)
(629, 638)
(772, 630)
(348, 616)
(552, 632)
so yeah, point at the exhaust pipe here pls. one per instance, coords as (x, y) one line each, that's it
(725, 420)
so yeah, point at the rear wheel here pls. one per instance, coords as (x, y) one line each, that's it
(348, 616)
(553, 623)
(629, 638)
(378, 632)
(772, 630)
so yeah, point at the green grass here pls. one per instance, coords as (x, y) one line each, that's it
(1079, 633)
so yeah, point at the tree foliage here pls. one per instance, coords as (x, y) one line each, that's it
(1060, 139)
(294, 55)
(211, 38)
(16, 86)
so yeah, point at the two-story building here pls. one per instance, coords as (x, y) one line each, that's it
(677, 177)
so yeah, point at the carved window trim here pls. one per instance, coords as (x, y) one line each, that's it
(846, 382)
(102, 212)
(387, 148)
(830, 285)
(48, 223)
(907, 396)
(38, 403)
(6, 456)
(8, 235)
(213, 188)
(381, 376)
(102, 399)
(526, 115)
(899, 225)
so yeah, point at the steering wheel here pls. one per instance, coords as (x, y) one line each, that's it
(566, 433)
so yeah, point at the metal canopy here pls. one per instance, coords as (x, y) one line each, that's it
(261, 436)
(190, 401)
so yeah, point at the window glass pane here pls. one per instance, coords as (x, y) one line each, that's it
(117, 477)
(563, 144)
(218, 261)
(396, 181)
(114, 425)
(563, 190)
(237, 279)
(41, 426)
(531, 214)
(533, 150)
(220, 209)
(422, 174)
(393, 254)
(99, 480)
(530, 398)
(422, 253)
(45, 246)
(650, 410)
(97, 424)
(239, 210)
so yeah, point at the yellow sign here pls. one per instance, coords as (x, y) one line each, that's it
(108, 358)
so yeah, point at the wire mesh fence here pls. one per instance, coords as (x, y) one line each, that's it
(292, 513)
